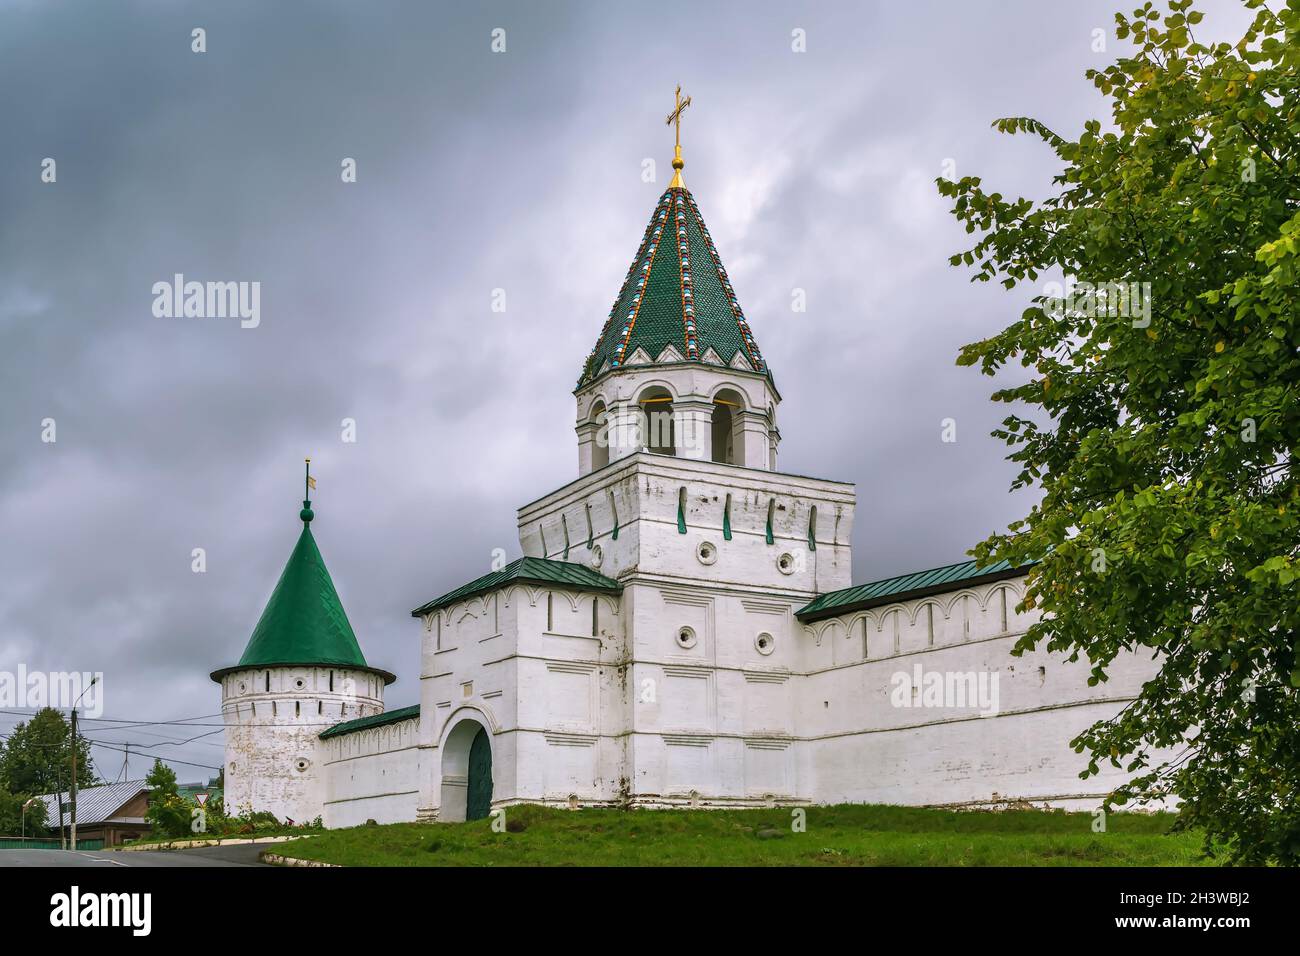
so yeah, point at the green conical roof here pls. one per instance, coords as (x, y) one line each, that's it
(304, 621)
(676, 294)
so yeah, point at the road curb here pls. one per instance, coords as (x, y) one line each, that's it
(193, 844)
(275, 859)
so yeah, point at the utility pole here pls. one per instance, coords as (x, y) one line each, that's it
(73, 808)
(74, 779)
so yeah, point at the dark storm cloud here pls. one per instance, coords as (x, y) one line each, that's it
(477, 171)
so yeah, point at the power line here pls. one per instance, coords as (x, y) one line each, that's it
(42, 746)
(189, 722)
(58, 746)
(165, 743)
(134, 722)
(267, 723)
(106, 746)
(201, 766)
(113, 730)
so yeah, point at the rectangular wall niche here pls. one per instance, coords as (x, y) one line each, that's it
(690, 764)
(767, 768)
(571, 695)
(691, 691)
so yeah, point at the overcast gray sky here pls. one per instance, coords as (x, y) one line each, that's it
(476, 171)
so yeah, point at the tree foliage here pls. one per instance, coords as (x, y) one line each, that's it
(1165, 448)
(169, 813)
(14, 822)
(38, 757)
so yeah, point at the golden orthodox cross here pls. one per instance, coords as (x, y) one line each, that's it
(675, 119)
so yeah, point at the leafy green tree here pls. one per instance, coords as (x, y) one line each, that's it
(162, 778)
(38, 756)
(169, 812)
(217, 821)
(11, 814)
(14, 822)
(1164, 439)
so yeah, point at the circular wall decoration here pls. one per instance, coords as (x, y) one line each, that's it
(764, 643)
(301, 764)
(706, 552)
(785, 563)
(686, 638)
(243, 688)
(299, 683)
(597, 556)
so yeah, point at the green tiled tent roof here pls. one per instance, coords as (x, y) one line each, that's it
(304, 621)
(904, 587)
(676, 293)
(577, 577)
(374, 720)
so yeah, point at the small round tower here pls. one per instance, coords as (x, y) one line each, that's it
(302, 672)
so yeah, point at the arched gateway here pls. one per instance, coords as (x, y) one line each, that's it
(466, 772)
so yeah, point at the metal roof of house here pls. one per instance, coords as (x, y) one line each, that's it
(577, 577)
(94, 804)
(905, 587)
(374, 720)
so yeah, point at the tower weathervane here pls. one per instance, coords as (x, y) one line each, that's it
(675, 119)
(308, 484)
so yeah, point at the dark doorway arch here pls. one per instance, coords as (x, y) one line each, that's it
(478, 789)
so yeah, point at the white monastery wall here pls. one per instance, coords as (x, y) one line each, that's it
(539, 668)
(750, 707)
(697, 685)
(865, 747)
(643, 492)
(713, 658)
(571, 697)
(713, 715)
(372, 774)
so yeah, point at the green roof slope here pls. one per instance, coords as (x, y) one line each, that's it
(304, 621)
(374, 720)
(676, 293)
(577, 577)
(904, 587)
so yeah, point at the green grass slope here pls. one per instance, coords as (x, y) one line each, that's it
(846, 835)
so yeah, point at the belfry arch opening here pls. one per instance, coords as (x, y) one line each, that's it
(726, 439)
(658, 431)
(600, 441)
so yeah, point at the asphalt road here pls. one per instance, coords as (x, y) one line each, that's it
(241, 854)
